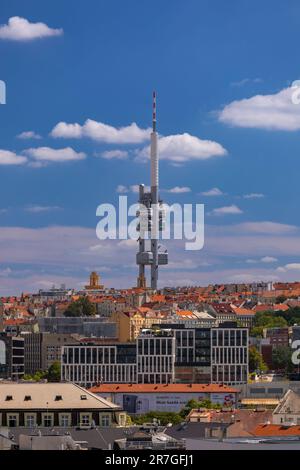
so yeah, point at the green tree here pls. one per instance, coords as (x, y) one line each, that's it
(37, 377)
(194, 404)
(53, 374)
(164, 417)
(282, 358)
(268, 320)
(82, 307)
(256, 362)
(257, 331)
(292, 316)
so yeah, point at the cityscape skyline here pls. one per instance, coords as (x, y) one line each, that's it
(149, 229)
(215, 147)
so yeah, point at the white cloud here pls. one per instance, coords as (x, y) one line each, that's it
(47, 154)
(271, 112)
(98, 247)
(135, 188)
(50, 253)
(5, 272)
(227, 210)
(121, 189)
(29, 135)
(184, 147)
(67, 131)
(268, 259)
(265, 228)
(289, 267)
(264, 259)
(128, 243)
(178, 190)
(101, 132)
(182, 264)
(38, 209)
(253, 196)
(20, 29)
(11, 158)
(212, 192)
(114, 154)
(244, 81)
(254, 277)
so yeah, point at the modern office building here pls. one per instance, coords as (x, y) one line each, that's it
(55, 294)
(85, 326)
(41, 350)
(229, 355)
(32, 352)
(215, 355)
(156, 351)
(11, 357)
(163, 355)
(89, 364)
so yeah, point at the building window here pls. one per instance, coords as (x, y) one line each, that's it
(47, 420)
(122, 419)
(12, 420)
(104, 420)
(85, 419)
(65, 420)
(30, 420)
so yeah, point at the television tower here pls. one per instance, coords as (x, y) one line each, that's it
(151, 216)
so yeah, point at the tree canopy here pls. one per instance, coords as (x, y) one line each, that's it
(268, 320)
(51, 375)
(82, 307)
(282, 358)
(256, 362)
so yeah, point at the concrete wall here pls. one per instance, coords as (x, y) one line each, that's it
(268, 389)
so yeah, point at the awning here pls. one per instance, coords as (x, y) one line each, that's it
(260, 401)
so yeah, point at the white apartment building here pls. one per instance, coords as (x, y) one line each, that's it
(229, 355)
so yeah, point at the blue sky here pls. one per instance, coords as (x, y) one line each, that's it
(100, 60)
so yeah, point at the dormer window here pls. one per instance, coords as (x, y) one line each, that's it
(9, 398)
(58, 398)
(27, 398)
(83, 397)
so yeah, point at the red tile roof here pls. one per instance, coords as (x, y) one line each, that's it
(244, 311)
(281, 307)
(15, 321)
(163, 388)
(276, 430)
